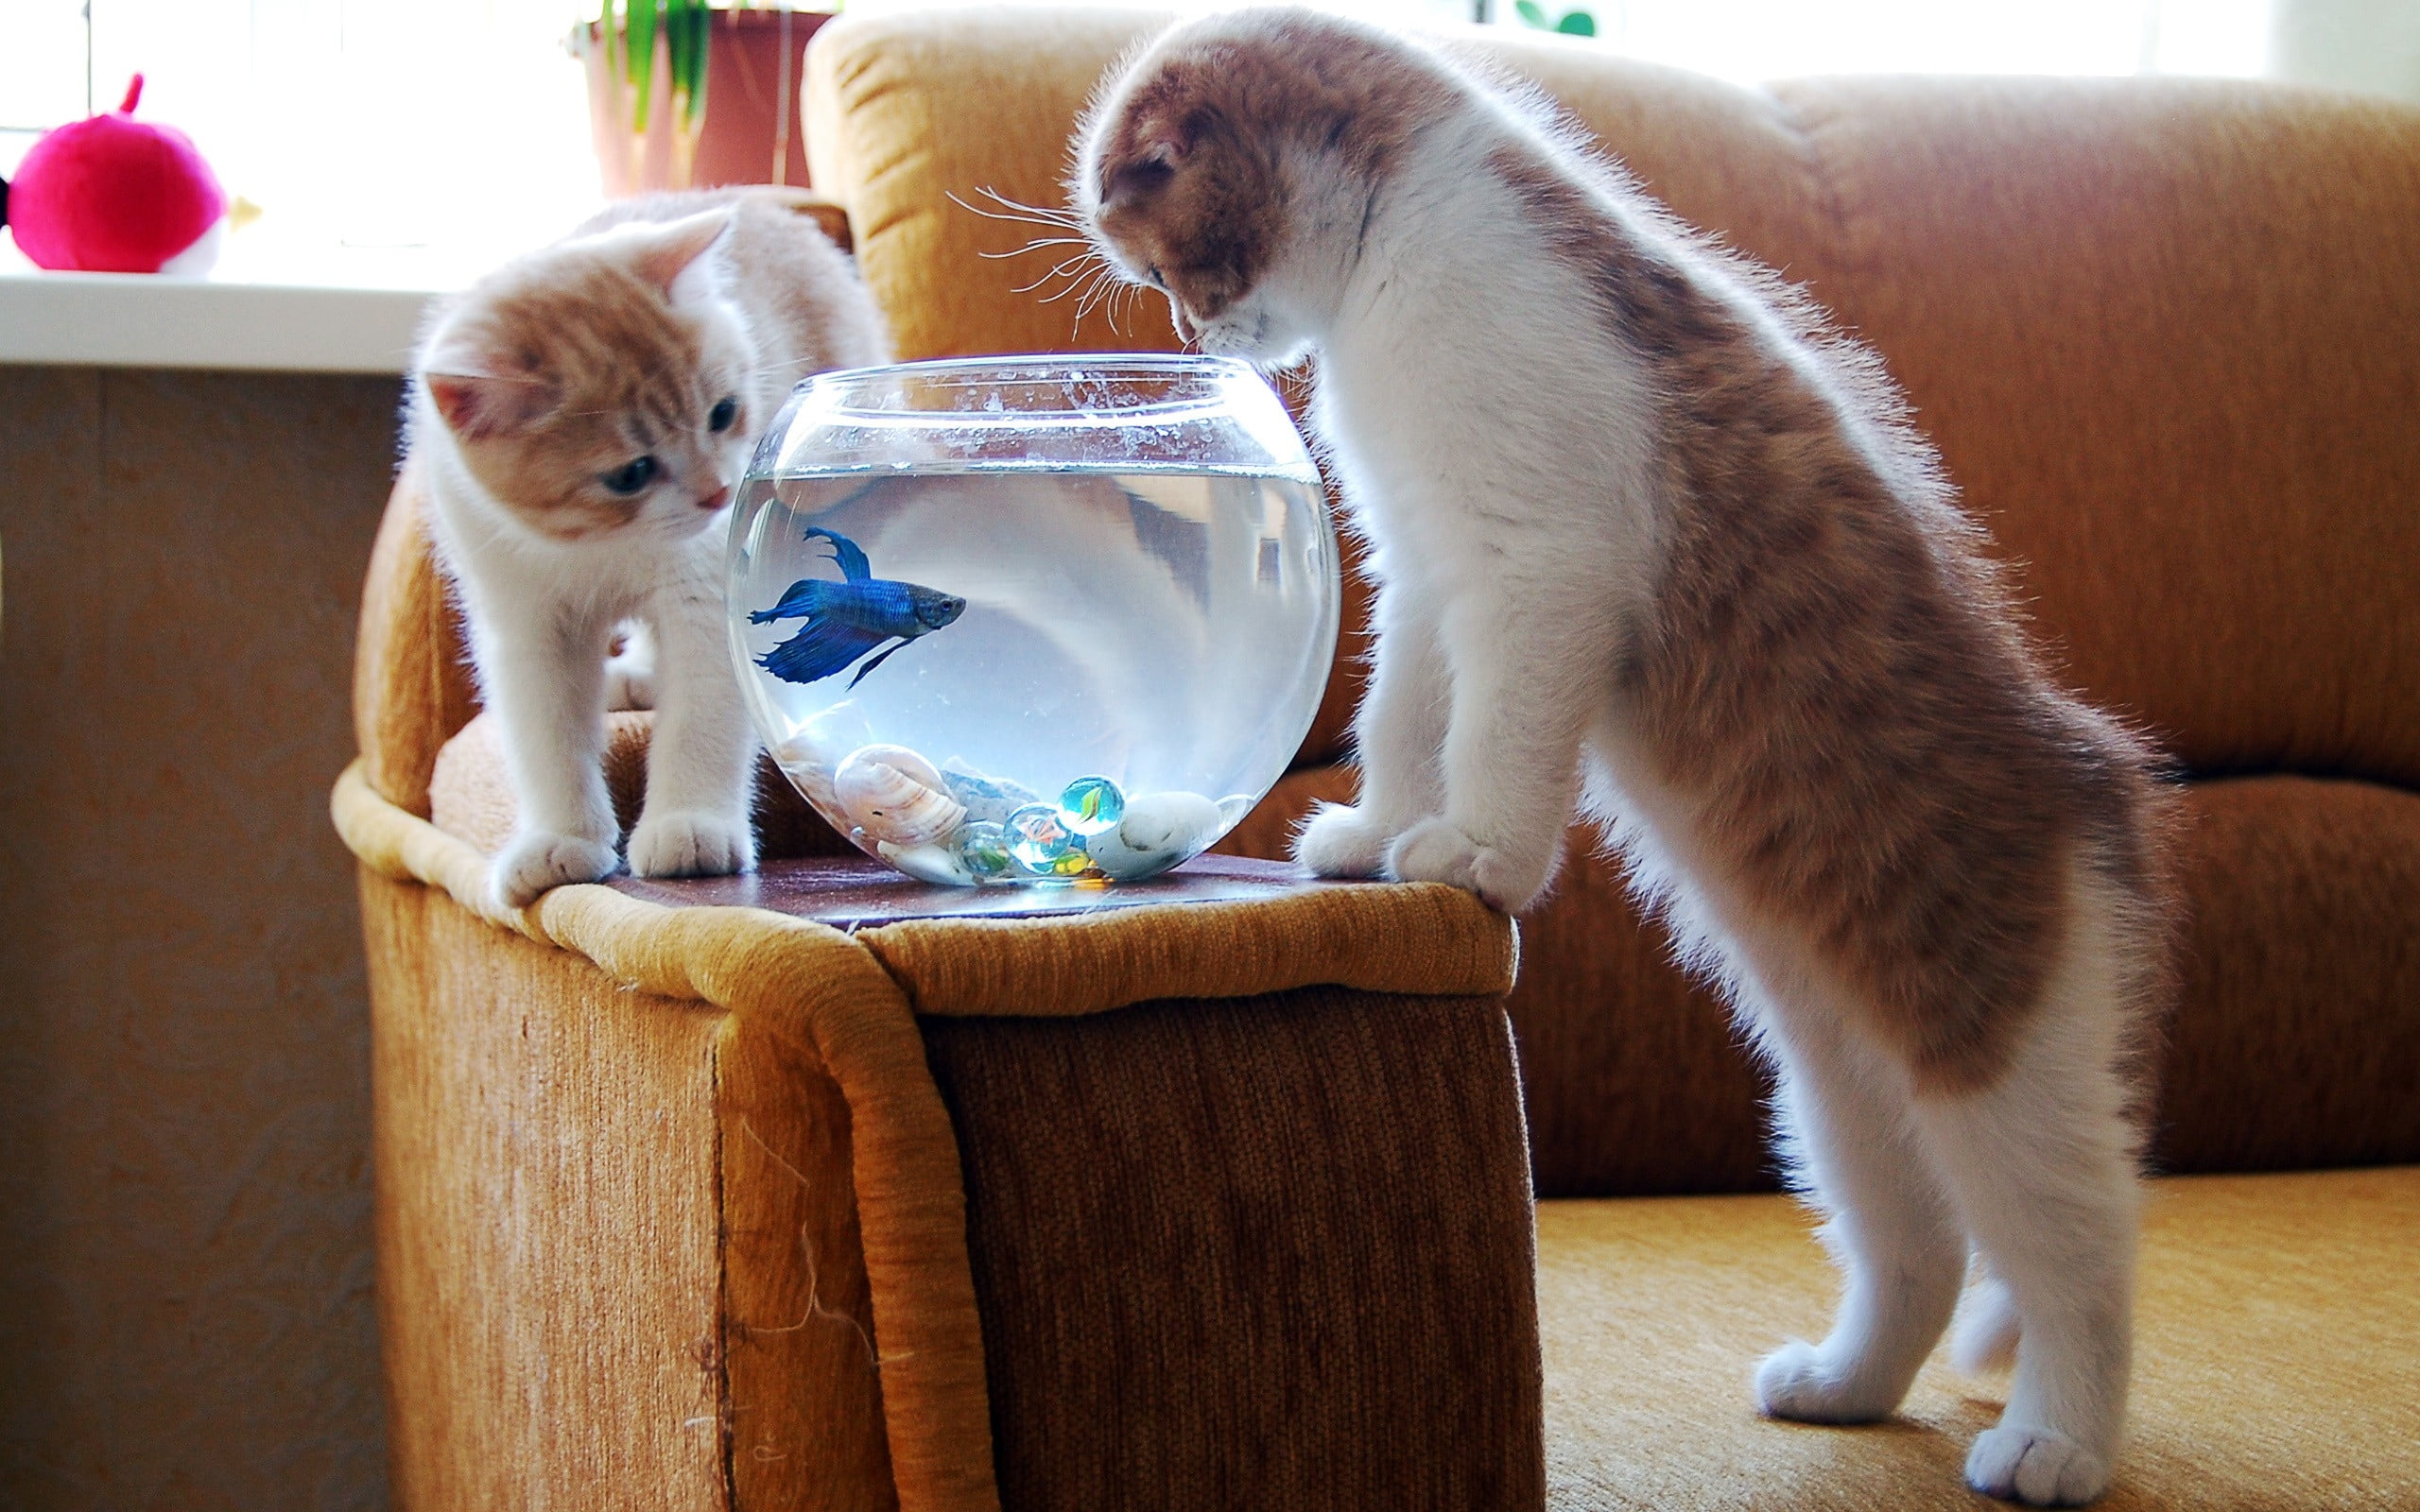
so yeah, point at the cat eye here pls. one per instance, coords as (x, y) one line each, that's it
(632, 476)
(1151, 276)
(725, 411)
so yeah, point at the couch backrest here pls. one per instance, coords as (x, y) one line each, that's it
(2166, 333)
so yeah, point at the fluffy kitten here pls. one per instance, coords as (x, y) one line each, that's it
(581, 416)
(1734, 615)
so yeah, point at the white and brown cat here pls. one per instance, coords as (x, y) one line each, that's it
(581, 417)
(1654, 542)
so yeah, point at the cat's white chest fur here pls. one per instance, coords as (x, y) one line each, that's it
(1501, 464)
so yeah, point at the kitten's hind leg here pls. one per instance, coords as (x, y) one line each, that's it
(1396, 735)
(2042, 1167)
(629, 668)
(1890, 1229)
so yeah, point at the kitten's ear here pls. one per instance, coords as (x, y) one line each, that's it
(477, 406)
(670, 252)
(1143, 173)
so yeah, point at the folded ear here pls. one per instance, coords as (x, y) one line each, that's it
(1141, 173)
(477, 406)
(670, 251)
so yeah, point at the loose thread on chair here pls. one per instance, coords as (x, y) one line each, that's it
(815, 1307)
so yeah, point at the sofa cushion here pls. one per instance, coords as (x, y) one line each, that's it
(2297, 1042)
(2278, 1357)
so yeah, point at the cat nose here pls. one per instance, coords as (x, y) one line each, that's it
(1186, 329)
(717, 499)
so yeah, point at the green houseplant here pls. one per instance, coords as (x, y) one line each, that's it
(687, 93)
(1577, 22)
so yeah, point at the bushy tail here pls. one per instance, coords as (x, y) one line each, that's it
(1983, 1335)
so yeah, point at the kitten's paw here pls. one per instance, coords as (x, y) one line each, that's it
(1435, 851)
(2037, 1466)
(537, 861)
(1796, 1381)
(688, 843)
(1343, 842)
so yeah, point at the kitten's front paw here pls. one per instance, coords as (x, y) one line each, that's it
(1797, 1383)
(537, 861)
(1343, 842)
(2037, 1466)
(684, 844)
(1436, 851)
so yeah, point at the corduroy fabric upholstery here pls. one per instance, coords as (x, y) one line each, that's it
(1325, 1283)
(761, 1087)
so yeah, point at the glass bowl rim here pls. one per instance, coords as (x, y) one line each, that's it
(972, 372)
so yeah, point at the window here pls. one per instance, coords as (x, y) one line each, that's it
(462, 125)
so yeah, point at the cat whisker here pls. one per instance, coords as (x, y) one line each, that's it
(1036, 244)
(1078, 281)
(1068, 268)
(1051, 212)
(1084, 298)
(1122, 304)
(1093, 287)
(1019, 213)
(1104, 283)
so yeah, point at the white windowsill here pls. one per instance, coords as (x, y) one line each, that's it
(262, 309)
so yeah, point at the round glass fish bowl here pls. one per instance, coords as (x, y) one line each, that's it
(1033, 619)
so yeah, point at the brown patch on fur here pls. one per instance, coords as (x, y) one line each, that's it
(1834, 673)
(1187, 160)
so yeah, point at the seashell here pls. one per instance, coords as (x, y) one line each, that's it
(927, 863)
(879, 788)
(1091, 805)
(899, 758)
(1160, 831)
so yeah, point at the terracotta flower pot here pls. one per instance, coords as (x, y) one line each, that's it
(746, 110)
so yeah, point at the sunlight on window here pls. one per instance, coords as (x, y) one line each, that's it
(462, 125)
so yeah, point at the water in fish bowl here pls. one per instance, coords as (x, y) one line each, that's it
(1033, 676)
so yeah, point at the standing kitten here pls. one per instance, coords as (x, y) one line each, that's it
(1738, 619)
(583, 415)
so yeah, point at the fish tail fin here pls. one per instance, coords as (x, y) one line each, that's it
(847, 554)
(820, 650)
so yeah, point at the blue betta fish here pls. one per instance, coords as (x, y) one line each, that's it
(846, 619)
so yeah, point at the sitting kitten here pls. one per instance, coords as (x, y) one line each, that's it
(1738, 619)
(583, 415)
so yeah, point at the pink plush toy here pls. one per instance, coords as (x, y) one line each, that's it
(113, 194)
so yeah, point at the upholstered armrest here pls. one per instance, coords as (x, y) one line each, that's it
(821, 1188)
